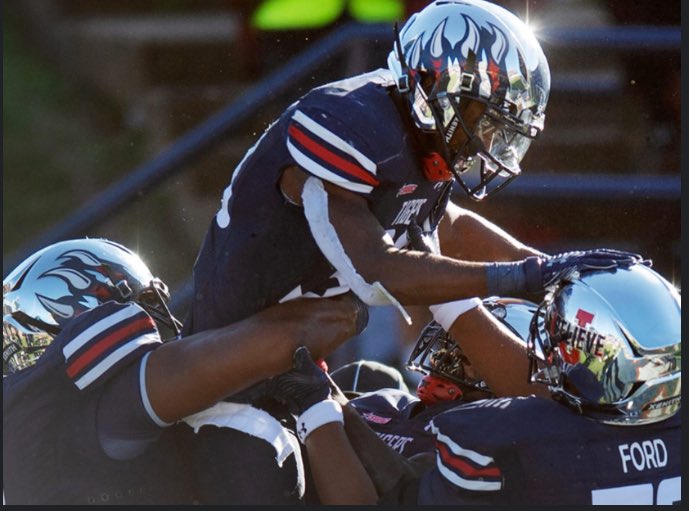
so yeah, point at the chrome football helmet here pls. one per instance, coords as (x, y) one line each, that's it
(610, 345)
(448, 374)
(454, 51)
(63, 280)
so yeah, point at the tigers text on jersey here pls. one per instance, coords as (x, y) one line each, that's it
(54, 416)
(259, 249)
(536, 451)
(400, 419)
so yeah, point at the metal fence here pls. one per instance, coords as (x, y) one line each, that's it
(215, 129)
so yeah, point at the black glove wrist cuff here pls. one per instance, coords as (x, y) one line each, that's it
(533, 274)
(513, 278)
(505, 279)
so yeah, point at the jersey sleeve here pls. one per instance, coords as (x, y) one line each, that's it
(127, 424)
(102, 341)
(465, 468)
(330, 149)
(468, 445)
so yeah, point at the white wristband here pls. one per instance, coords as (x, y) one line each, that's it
(447, 313)
(319, 414)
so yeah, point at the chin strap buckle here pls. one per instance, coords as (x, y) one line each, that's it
(403, 84)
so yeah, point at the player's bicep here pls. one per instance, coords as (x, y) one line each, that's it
(468, 236)
(344, 210)
(127, 424)
(343, 221)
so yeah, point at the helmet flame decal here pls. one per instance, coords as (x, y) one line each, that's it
(426, 53)
(56, 308)
(436, 46)
(499, 47)
(73, 277)
(471, 40)
(415, 53)
(77, 269)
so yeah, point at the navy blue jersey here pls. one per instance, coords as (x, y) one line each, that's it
(536, 451)
(259, 249)
(400, 419)
(59, 421)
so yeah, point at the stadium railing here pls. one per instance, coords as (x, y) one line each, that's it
(209, 133)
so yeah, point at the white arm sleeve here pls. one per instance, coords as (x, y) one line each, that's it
(315, 200)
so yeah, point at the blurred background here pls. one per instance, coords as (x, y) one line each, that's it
(125, 119)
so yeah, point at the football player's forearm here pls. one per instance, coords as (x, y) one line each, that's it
(466, 235)
(385, 466)
(188, 375)
(418, 278)
(338, 474)
(498, 356)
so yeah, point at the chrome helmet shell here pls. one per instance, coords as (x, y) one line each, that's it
(448, 374)
(515, 313)
(65, 279)
(458, 50)
(609, 344)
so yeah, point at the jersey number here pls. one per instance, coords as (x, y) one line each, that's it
(669, 492)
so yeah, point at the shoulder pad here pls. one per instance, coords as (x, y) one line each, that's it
(330, 148)
(466, 440)
(103, 340)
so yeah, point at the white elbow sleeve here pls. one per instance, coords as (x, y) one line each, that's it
(315, 200)
(447, 313)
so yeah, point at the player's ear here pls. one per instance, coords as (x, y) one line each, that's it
(291, 184)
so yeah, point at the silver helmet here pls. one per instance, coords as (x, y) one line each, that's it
(609, 344)
(62, 280)
(437, 353)
(454, 51)
(448, 373)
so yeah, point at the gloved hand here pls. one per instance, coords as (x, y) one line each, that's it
(553, 267)
(535, 273)
(417, 239)
(302, 387)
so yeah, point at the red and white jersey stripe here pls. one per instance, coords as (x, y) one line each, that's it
(326, 155)
(104, 339)
(465, 468)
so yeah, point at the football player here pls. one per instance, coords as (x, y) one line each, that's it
(90, 388)
(321, 204)
(609, 351)
(401, 418)
(606, 344)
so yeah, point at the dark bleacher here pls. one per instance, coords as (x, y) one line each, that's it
(169, 66)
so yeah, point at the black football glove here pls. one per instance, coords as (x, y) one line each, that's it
(535, 273)
(417, 239)
(302, 387)
(553, 267)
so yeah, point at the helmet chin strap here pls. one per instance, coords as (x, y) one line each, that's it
(404, 81)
